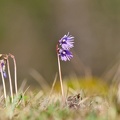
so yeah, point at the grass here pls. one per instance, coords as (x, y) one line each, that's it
(82, 103)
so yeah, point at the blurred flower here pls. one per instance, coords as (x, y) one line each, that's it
(66, 42)
(3, 68)
(65, 54)
(4, 74)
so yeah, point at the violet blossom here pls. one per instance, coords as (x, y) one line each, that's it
(67, 41)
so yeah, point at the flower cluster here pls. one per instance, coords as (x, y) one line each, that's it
(64, 46)
(2, 67)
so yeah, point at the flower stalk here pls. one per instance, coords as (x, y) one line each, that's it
(15, 72)
(3, 81)
(10, 81)
(61, 82)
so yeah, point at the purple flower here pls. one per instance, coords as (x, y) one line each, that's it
(4, 74)
(2, 62)
(67, 41)
(65, 54)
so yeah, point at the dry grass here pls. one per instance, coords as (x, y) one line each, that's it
(81, 103)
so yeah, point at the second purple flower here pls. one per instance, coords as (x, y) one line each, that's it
(65, 54)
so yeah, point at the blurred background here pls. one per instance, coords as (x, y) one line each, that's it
(30, 30)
